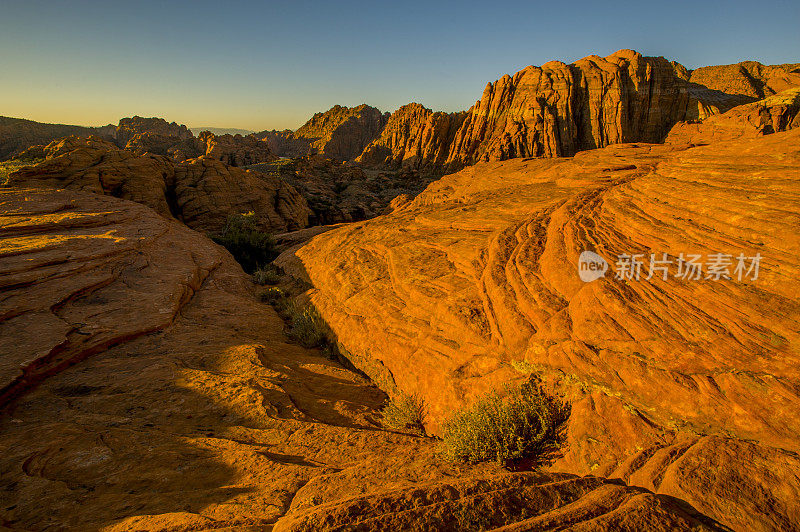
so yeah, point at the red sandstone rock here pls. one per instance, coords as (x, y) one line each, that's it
(149, 390)
(688, 388)
(201, 192)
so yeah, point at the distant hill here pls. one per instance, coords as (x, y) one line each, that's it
(220, 130)
(17, 134)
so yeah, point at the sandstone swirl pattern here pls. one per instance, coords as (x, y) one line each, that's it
(689, 388)
(145, 388)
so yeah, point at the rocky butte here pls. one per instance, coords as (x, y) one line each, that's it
(148, 383)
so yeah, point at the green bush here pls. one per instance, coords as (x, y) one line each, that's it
(246, 243)
(266, 275)
(521, 423)
(405, 412)
(308, 327)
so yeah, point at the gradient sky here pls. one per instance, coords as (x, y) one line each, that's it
(265, 65)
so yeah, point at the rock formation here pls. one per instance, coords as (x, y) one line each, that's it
(200, 192)
(549, 111)
(285, 144)
(773, 114)
(686, 387)
(340, 133)
(145, 388)
(557, 109)
(235, 150)
(750, 80)
(130, 128)
(342, 192)
(414, 137)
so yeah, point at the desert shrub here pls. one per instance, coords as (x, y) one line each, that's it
(273, 295)
(405, 412)
(308, 327)
(505, 427)
(249, 246)
(267, 274)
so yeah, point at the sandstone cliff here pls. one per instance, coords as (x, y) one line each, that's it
(200, 192)
(557, 109)
(414, 137)
(549, 111)
(673, 382)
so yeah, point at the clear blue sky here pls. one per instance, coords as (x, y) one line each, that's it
(264, 65)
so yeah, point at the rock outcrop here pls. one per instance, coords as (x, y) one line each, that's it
(773, 114)
(686, 387)
(557, 109)
(340, 133)
(342, 192)
(130, 128)
(235, 150)
(550, 111)
(200, 192)
(145, 388)
(749, 80)
(414, 137)
(285, 144)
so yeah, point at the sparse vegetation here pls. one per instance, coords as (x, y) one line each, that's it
(7, 167)
(405, 412)
(522, 423)
(308, 327)
(267, 274)
(274, 296)
(251, 247)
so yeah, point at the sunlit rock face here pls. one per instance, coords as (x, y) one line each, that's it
(144, 387)
(475, 284)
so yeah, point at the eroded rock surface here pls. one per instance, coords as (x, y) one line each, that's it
(687, 387)
(773, 114)
(167, 398)
(750, 80)
(201, 192)
(414, 137)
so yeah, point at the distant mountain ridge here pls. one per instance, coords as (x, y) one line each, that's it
(220, 131)
(18, 134)
(549, 111)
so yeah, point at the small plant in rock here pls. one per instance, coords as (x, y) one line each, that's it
(272, 295)
(405, 412)
(249, 246)
(308, 327)
(521, 423)
(268, 274)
